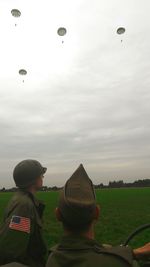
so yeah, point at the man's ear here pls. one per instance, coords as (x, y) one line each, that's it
(97, 213)
(58, 214)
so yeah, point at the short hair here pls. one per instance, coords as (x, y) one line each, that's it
(76, 228)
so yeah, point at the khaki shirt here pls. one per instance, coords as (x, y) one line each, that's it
(75, 251)
(22, 241)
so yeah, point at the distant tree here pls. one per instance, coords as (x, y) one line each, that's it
(44, 188)
(99, 186)
(55, 188)
(3, 189)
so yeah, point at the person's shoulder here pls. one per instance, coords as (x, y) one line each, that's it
(22, 197)
(119, 252)
(98, 255)
(21, 204)
(14, 264)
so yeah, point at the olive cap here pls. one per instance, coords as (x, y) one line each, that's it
(77, 201)
(26, 172)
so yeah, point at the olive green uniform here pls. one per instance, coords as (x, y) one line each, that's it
(77, 251)
(24, 243)
(14, 264)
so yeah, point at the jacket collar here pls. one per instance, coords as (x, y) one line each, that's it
(73, 242)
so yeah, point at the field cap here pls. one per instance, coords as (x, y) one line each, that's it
(77, 200)
(27, 171)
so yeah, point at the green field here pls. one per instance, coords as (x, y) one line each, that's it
(122, 210)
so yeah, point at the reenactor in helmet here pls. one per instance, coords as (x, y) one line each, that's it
(77, 211)
(21, 238)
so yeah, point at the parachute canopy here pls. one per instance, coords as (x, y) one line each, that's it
(15, 13)
(22, 72)
(62, 31)
(121, 30)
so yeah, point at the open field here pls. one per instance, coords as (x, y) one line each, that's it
(122, 210)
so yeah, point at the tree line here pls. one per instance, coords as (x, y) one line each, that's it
(111, 184)
(122, 184)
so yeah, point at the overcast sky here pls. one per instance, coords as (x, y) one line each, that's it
(86, 100)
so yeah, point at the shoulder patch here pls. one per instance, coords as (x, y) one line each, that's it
(21, 224)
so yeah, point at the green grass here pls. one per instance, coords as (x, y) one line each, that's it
(122, 210)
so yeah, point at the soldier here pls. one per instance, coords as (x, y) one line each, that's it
(77, 210)
(21, 237)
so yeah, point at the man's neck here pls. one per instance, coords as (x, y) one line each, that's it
(88, 234)
(32, 190)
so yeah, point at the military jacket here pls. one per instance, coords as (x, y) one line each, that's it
(21, 238)
(81, 252)
(14, 264)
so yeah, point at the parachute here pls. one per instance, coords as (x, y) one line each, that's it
(22, 72)
(61, 32)
(16, 13)
(121, 30)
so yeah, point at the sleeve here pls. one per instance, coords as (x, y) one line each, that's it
(15, 234)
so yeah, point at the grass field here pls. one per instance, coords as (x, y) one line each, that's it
(122, 210)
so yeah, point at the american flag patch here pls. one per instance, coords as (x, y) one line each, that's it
(20, 224)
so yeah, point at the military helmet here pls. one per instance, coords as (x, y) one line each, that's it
(77, 201)
(26, 172)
